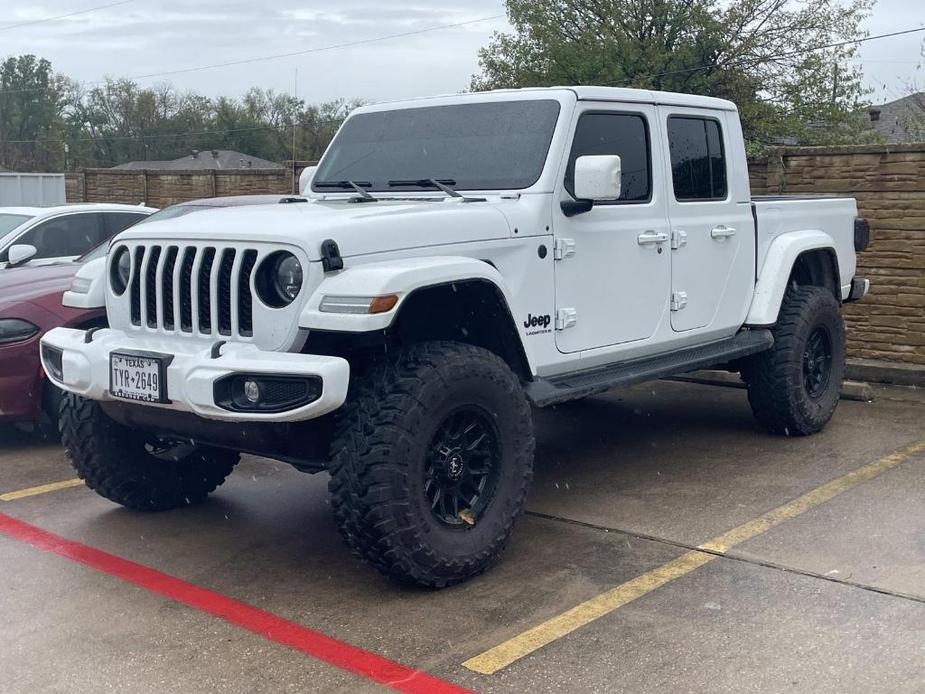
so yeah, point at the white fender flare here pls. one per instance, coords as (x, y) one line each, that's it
(775, 273)
(399, 277)
(88, 288)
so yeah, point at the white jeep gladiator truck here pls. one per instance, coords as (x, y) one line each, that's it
(457, 261)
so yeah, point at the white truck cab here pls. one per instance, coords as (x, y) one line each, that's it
(455, 260)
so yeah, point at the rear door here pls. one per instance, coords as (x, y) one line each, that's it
(712, 232)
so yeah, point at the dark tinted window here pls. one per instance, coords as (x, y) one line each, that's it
(67, 235)
(615, 133)
(698, 167)
(481, 146)
(120, 221)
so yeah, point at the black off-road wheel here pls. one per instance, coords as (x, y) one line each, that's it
(134, 469)
(431, 462)
(794, 387)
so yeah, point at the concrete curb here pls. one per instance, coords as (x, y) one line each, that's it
(894, 373)
(851, 390)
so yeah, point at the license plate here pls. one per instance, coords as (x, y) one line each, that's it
(138, 377)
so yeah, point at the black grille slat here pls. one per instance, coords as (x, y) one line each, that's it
(245, 298)
(171, 285)
(170, 264)
(151, 286)
(186, 289)
(136, 285)
(205, 294)
(224, 291)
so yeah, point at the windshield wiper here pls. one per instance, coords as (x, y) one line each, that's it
(443, 184)
(356, 185)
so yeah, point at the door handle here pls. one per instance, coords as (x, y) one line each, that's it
(722, 232)
(649, 237)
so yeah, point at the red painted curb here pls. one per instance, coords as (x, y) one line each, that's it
(263, 623)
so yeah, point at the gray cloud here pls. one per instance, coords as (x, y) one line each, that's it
(152, 36)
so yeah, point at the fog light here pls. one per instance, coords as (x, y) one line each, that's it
(266, 393)
(252, 391)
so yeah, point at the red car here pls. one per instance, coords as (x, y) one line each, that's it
(30, 305)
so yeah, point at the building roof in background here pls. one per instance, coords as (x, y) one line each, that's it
(902, 120)
(208, 159)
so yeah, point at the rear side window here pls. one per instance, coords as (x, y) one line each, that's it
(623, 134)
(698, 164)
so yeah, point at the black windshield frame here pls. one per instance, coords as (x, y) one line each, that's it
(481, 145)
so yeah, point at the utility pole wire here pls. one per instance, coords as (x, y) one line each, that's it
(64, 16)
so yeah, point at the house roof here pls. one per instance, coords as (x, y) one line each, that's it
(209, 159)
(902, 120)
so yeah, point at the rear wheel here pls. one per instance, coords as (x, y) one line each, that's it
(794, 387)
(134, 469)
(431, 463)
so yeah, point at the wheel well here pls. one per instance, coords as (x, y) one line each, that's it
(817, 268)
(470, 311)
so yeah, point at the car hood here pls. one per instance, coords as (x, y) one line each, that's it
(358, 228)
(31, 283)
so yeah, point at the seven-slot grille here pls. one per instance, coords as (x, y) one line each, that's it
(203, 290)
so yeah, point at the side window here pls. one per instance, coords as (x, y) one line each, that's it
(698, 165)
(120, 221)
(64, 236)
(624, 134)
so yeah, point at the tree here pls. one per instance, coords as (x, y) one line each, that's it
(49, 122)
(33, 100)
(767, 56)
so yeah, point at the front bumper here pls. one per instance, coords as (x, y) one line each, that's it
(193, 372)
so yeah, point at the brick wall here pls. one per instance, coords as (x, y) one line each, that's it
(889, 184)
(162, 188)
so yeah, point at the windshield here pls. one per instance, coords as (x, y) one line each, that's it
(480, 146)
(174, 211)
(8, 222)
(95, 253)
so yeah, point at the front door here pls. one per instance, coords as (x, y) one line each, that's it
(613, 263)
(713, 233)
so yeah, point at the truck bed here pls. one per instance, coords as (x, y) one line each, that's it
(834, 216)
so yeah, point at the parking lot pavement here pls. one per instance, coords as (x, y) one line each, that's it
(830, 598)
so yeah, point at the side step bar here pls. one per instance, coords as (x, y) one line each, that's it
(579, 384)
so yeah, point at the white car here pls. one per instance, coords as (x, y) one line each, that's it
(460, 259)
(46, 235)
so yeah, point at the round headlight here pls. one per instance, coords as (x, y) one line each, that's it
(120, 270)
(279, 279)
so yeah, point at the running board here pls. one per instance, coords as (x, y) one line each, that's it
(578, 384)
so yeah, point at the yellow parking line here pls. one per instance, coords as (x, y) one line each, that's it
(523, 644)
(43, 489)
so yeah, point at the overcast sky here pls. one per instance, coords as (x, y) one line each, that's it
(156, 36)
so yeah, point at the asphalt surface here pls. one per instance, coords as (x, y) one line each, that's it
(831, 600)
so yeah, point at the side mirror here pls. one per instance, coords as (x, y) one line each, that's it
(21, 253)
(598, 177)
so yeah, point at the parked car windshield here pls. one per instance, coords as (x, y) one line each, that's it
(97, 252)
(480, 146)
(174, 211)
(8, 222)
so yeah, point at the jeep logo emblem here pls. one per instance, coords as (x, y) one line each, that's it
(537, 321)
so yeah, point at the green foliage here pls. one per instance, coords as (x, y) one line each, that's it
(758, 53)
(41, 112)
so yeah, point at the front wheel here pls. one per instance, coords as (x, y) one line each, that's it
(794, 387)
(131, 468)
(431, 463)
